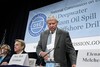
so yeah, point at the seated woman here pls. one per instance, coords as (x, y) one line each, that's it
(5, 54)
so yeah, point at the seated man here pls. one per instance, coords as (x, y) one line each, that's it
(19, 46)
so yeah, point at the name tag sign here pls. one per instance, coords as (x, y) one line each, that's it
(88, 58)
(19, 59)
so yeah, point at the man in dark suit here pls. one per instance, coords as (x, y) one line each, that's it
(19, 46)
(61, 43)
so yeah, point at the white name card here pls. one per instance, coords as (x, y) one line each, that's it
(88, 58)
(19, 59)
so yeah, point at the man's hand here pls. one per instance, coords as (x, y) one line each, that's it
(4, 63)
(74, 65)
(44, 54)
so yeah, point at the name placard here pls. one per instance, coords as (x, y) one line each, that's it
(88, 58)
(19, 59)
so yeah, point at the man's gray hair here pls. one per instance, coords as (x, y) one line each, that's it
(52, 17)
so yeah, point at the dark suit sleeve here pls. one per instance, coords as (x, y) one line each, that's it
(70, 49)
(39, 46)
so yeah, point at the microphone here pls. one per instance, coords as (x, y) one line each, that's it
(48, 52)
(41, 58)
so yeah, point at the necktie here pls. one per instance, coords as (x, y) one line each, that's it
(49, 47)
(49, 39)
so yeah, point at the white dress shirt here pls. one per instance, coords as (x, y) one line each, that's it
(51, 46)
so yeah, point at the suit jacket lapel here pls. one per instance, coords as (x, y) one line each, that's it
(46, 38)
(58, 34)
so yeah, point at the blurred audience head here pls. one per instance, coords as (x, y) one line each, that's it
(19, 45)
(5, 49)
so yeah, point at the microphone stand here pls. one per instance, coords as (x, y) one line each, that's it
(48, 52)
(3, 39)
